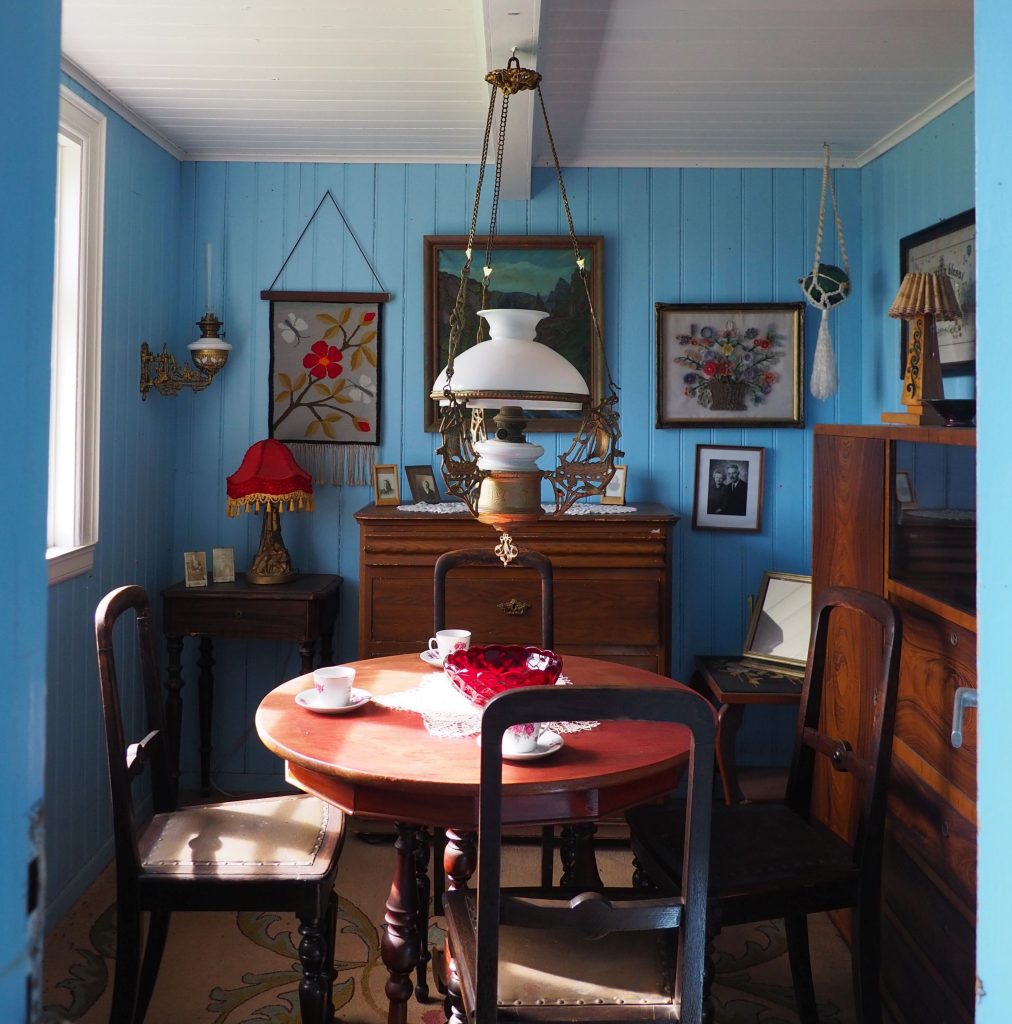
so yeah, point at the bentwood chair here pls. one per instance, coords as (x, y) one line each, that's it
(275, 854)
(615, 955)
(777, 860)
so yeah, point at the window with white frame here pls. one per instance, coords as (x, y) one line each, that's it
(72, 529)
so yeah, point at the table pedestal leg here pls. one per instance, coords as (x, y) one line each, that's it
(460, 858)
(579, 865)
(400, 945)
(205, 699)
(728, 723)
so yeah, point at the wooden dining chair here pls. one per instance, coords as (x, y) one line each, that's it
(611, 955)
(274, 854)
(778, 860)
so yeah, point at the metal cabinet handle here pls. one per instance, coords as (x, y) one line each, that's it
(514, 606)
(966, 697)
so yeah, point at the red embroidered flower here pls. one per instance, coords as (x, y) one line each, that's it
(363, 426)
(709, 368)
(762, 342)
(367, 318)
(323, 360)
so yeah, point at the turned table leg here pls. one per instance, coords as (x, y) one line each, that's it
(400, 946)
(579, 864)
(728, 723)
(205, 699)
(173, 702)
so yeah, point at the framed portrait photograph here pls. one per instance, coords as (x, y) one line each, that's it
(614, 493)
(528, 272)
(781, 623)
(195, 568)
(223, 565)
(730, 364)
(729, 489)
(386, 487)
(422, 482)
(949, 246)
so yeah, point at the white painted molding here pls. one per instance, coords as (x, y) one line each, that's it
(128, 114)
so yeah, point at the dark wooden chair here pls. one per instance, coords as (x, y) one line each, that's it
(275, 854)
(776, 860)
(613, 955)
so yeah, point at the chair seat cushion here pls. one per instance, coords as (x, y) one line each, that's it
(753, 848)
(271, 837)
(541, 967)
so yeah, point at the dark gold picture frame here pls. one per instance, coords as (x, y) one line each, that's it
(780, 628)
(529, 272)
(730, 364)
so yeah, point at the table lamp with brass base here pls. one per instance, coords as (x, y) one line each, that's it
(270, 476)
(921, 300)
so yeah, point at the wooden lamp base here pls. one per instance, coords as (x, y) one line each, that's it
(922, 377)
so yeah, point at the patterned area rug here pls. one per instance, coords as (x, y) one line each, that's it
(244, 969)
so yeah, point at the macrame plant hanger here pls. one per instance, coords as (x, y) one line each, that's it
(329, 458)
(826, 286)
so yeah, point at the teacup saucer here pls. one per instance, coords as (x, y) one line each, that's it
(431, 658)
(548, 743)
(307, 699)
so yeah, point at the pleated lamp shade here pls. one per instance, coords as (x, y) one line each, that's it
(926, 295)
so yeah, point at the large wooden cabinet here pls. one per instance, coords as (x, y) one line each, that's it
(612, 583)
(918, 558)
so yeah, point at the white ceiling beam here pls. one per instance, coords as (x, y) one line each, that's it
(514, 25)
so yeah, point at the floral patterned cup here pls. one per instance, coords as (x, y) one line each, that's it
(521, 739)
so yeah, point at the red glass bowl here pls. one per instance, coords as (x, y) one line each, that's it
(482, 671)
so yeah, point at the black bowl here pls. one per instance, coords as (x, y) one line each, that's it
(957, 412)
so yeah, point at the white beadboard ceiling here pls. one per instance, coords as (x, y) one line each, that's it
(626, 82)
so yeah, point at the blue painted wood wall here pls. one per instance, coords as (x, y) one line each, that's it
(670, 236)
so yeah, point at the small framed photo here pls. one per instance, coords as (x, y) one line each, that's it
(223, 565)
(729, 488)
(422, 482)
(781, 624)
(195, 568)
(905, 495)
(385, 485)
(614, 493)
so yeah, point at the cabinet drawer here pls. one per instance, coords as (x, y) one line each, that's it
(937, 657)
(267, 620)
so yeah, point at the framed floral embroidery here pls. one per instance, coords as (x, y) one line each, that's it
(733, 365)
(324, 380)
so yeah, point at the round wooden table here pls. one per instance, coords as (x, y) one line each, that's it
(382, 764)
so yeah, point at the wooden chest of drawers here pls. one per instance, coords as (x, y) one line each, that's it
(612, 583)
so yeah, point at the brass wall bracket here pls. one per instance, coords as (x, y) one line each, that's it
(161, 371)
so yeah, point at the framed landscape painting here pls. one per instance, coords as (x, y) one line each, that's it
(734, 365)
(528, 272)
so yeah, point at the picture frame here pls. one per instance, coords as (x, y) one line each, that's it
(906, 497)
(529, 272)
(195, 568)
(730, 364)
(728, 491)
(780, 627)
(949, 245)
(422, 481)
(385, 485)
(614, 493)
(223, 565)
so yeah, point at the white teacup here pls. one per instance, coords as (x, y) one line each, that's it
(521, 739)
(333, 685)
(448, 640)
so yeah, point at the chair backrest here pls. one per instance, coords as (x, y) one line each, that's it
(127, 762)
(879, 669)
(587, 913)
(466, 558)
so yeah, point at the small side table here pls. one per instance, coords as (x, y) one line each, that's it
(733, 684)
(303, 611)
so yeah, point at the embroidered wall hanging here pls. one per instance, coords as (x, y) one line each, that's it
(324, 382)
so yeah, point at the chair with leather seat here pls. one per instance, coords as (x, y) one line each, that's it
(269, 854)
(778, 860)
(535, 954)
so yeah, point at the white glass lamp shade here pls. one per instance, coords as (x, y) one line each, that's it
(510, 368)
(209, 354)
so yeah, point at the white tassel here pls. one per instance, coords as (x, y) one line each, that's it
(824, 364)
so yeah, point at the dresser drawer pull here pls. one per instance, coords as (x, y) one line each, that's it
(238, 613)
(966, 697)
(514, 606)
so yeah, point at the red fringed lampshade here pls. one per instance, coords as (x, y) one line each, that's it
(270, 476)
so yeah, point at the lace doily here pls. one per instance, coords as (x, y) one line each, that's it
(449, 507)
(448, 713)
